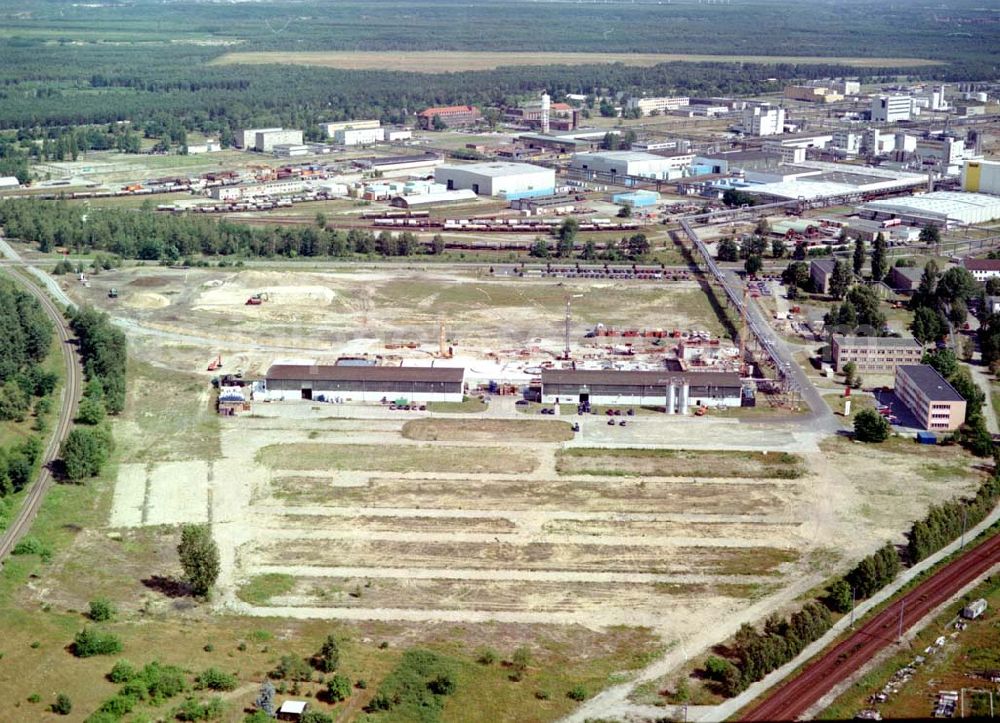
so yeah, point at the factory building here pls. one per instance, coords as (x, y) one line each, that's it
(846, 87)
(290, 150)
(675, 390)
(453, 116)
(763, 120)
(929, 396)
(893, 108)
(874, 354)
(812, 94)
(359, 136)
(942, 208)
(981, 177)
(9, 182)
(509, 180)
(665, 104)
(248, 137)
(632, 163)
(266, 140)
(362, 383)
(331, 128)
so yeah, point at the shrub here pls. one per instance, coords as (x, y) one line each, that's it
(31, 545)
(328, 656)
(89, 642)
(122, 672)
(193, 709)
(101, 610)
(215, 679)
(118, 706)
(63, 705)
(34, 698)
(292, 667)
(488, 656)
(442, 684)
(258, 716)
(338, 688)
(577, 693)
(316, 716)
(870, 426)
(542, 694)
(716, 668)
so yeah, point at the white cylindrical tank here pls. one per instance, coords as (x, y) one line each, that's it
(546, 109)
(671, 394)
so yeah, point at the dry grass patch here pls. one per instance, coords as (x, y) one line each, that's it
(678, 463)
(496, 595)
(502, 555)
(378, 523)
(445, 61)
(401, 458)
(487, 430)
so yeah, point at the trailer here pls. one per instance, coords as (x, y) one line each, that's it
(974, 609)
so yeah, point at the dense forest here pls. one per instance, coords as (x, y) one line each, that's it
(27, 337)
(69, 64)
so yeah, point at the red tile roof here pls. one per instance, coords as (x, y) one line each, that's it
(982, 264)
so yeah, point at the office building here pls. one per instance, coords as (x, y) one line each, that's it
(937, 406)
(763, 120)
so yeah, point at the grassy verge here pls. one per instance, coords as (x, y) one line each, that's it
(259, 589)
(485, 430)
(468, 405)
(677, 463)
(423, 458)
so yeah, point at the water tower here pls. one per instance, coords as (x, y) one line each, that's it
(546, 107)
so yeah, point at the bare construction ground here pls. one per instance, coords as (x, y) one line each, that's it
(184, 317)
(451, 61)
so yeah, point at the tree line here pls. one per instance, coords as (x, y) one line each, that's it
(755, 653)
(25, 387)
(89, 444)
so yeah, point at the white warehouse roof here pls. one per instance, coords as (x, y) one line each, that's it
(946, 206)
(498, 169)
(799, 189)
(635, 156)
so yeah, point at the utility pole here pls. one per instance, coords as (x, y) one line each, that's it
(569, 316)
(852, 608)
(902, 608)
(965, 517)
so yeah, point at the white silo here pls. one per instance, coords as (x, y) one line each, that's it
(546, 107)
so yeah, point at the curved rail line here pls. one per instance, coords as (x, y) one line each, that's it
(70, 399)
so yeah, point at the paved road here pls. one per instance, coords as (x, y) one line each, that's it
(69, 399)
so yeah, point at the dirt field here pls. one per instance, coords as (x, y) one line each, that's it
(487, 430)
(451, 61)
(187, 316)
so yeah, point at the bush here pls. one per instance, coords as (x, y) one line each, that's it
(316, 716)
(338, 688)
(715, 668)
(118, 706)
(839, 599)
(215, 679)
(31, 545)
(89, 642)
(328, 656)
(258, 716)
(34, 698)
(63, 705)
(870, 426)
(577, 693)
(122, 672)
(442, 684)
(193, 709)
(488, 656)
(199, 557)
(292, 667)
(101, 610)
(85, 451)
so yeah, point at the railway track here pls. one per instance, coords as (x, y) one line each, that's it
(70, 399)
(793, 699)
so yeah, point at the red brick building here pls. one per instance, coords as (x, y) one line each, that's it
(453, 116)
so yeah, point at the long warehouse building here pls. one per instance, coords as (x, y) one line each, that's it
(508, 180)
(362, 383)
(677, 391)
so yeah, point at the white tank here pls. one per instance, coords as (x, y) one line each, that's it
(546, 108)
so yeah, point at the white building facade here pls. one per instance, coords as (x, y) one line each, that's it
(892, 108)
(763, 120)
(511, 180)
